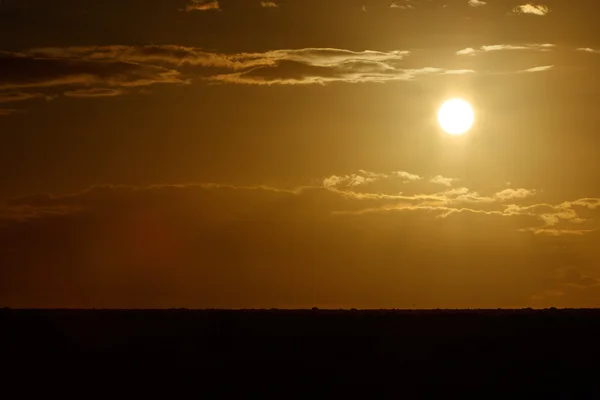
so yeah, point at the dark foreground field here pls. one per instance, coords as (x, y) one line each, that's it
(399, 353)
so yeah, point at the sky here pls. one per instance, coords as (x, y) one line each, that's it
(287, 154)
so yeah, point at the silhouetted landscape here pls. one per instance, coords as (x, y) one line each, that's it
(532, 351)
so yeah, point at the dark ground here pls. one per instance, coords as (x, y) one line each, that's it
(488, 353)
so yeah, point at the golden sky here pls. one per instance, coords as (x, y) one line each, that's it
(287, 153)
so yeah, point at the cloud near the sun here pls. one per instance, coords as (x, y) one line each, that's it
(130, 66)
(111, 70)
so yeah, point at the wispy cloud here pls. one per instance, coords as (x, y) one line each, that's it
(268, 4)
(23, 71)
(532, 9)
(350, 194)
(90, 93)
(402, 7)
(365, 177)
(588, 50)
(501, 47)
(469, 51)
(202, 5)
(509, 194)
(12, 97)
(331, 231)
(538, 69)
(477, 3)
(290, 73)
(442, 180)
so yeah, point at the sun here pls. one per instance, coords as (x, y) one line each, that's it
(456, 116)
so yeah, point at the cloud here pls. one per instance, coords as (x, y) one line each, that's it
(171, 56)
(180, 64)
(463, 195)
(105, 71)
(459, 71)
(11, 97)
(370, 199)
(532, 9)
(588, 50)
(544, 47)
(89, 93)
(590, 203)
(20, 71)
(469, 51)
(268, 4)
(477, 3)
(365, 177)
(202, 5)
(538, 69)
(441, 180)
(402, 7)
(176, 56)
(292, 73)
(509, 194)
(558, 232)
(537, 47)
(551, 215)
(109, 70)
(322, 65)
(171, 245)
(342, 186)
(77, 72)
(406, 176)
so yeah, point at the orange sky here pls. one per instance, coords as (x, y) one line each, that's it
(287, 154)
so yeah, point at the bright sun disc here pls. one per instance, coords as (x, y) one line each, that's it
(456, 116)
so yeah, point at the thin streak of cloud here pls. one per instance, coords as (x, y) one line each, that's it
(469, 51)
(588, 50)
(90, 93)
(538, 69)
(557, 232)
(202, 5)
(402, 7)
(306, 75)
(459, 71)
(12, 97)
